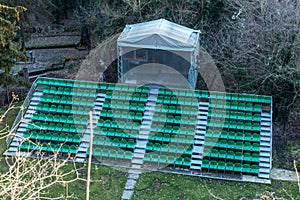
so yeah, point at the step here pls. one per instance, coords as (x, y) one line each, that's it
(264, 159)
(202, 117)
(197, 157)
(264, 165)
(266, 139)
(81, 155)
(265, 129)
(195, 167)
(265, 154)
(127, 194)
(266, 149)
(139, 151)
(264, 170)
(199, 142)
(266, 114)
(136, 166)
(202, 103)
(200, 132)
(143, 137)
(101, 95)
(199, 137)
(130, 184)
(137, 161)
(138, 155)
(80, 160)
(265, 133)
(264, 144)
(141, 144)
(202, 122)
(203, 108)
(264, 175)
(267, 124)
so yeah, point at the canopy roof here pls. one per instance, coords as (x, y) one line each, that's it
(159, 34)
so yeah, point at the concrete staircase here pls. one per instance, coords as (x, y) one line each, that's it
(197, 152)
(265, 153)
(13, 148)
(86, 137)
(140, 147)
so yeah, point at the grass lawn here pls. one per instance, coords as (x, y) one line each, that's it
(108, 183)
(159, 185)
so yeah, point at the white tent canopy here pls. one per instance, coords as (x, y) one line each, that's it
(159, 34)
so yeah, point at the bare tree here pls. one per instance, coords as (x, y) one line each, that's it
(28, 178)
(257, 49)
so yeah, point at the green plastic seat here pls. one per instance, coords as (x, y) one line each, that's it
(186, 162)
(149, 146)
(254, 169)
(214, 153)
(213, 164)
(221, 165)
(255, 157)
(237, 167)
(246, 168)
(247, 157)
(247, 146)
(128, 155)
(147, 157)
(248, 137)
(229, 166)
(205, 164)
(239, 145)
(73, 149)
(130, 144)
(222, 154)
(255, 147)
(238, 156)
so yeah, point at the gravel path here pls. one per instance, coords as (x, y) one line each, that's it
(283, 174)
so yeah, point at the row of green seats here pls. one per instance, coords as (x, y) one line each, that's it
(181, 110)
(49, 147)
(124, 88)
(118, 124)
(179, 92)
(51, 136)
(172, 129)
(131, 89)
(70, 92)
(178, 101)
(128, 97)
(74, 110)
(248, 116)
(166, 138)
(116, 142)
(122, 115)
(248, 126)
(230, 144)
(120, 154)
(67, 100)
(231, 155)
(107, 86)
(172, 148)
(149, 157)
(236, 167)
(112, 132)
(242, 106)
(123, 106)
(174, 119)
(60, 119)
(254, 137)
(240, 97)
(67, 83)
(56, 127)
